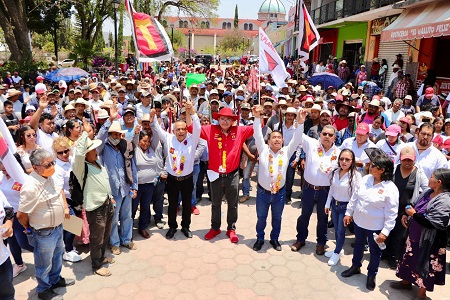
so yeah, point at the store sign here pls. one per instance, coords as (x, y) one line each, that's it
(443, 85)
(379, 24)
(422, 31)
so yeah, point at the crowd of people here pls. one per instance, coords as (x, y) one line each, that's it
(104, 148)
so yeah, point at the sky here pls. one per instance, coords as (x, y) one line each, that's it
(247, 9)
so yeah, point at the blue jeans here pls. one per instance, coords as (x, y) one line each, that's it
(337, 214)
(18, 242)
(195, 174)
(246, 180)
(361, 236)
(264, 200)
(144, 198)
(48, 250)
(158, 200)
(290, 174)
(310, 197)
(122, 213)
(6, 281)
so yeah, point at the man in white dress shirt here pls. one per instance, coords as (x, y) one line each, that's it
(180, 150)
(358, 143)
(321, 159)
(273, 164)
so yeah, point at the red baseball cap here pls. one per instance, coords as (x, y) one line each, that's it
(363, 128)
(438, 140)
(429, 91)
(39, 78)
(447, 143)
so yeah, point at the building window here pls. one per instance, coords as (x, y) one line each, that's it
(180, 24)
(250, 26)
(245, 26)
(207, 24)
(203, 25)
(224, 25)
(271, 15)
(185, 24)
(276, 15)
(228, 25)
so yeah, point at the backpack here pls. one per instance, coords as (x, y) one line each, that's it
(76, 191)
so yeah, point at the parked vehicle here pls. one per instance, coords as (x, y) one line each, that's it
(67, 63)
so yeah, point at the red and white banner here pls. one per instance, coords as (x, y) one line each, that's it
(417, 32)
(270, 62)
(308, 36)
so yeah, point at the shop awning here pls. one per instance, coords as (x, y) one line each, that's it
(428, 21)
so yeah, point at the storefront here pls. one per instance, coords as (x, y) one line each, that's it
(327, 44)
(351, 43)
(426, 29)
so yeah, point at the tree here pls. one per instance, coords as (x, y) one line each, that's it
(232, 41)
(13, 21)
(236, 18)
(120, 30)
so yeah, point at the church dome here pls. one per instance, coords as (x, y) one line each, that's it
(272, 6)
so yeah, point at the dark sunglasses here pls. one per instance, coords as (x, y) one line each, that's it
(31, 135)
(52, 163)
(372, 106)
(52, 103)
(327, 134)
(374, 166)
(63, 152)
(345, 159)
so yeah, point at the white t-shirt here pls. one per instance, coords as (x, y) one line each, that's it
(4, 254)
(45, 140)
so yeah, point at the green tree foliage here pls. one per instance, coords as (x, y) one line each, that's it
(232, 41)
(236, 18)
(120, 30)
(192, 8)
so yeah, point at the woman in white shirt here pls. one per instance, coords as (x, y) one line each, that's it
(344, 180)
(25, 144)
(6, 230)
(373, 208)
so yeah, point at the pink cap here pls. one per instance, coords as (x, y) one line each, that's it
(407, 153)
(393, 130)
(447, 143)
(438, 140)
(405, 119)
(363, 128)
(40, 91)
(429, 91)
(339, 98)
(39, 78)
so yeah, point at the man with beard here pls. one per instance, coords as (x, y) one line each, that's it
(428, 157)
(313, 117)
(372, 112)
(45, 133)
(324, 119)
(341, 120)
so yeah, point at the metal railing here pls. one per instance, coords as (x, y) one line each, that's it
(345, 8)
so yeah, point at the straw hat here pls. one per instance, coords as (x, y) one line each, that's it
(115, 127)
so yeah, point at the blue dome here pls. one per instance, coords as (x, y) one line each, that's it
(272, 6)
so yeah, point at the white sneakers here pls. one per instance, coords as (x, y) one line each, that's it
(334, 257)
(18, 269)
(72, 256)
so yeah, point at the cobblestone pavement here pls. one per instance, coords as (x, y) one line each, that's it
(197, 269)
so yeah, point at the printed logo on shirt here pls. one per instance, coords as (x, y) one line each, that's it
(216, 136)
(16, 186)
(233, 135)
(380, 191)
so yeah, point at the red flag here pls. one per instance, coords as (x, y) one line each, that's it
(308, 35)
(253, 81)
(150, 38)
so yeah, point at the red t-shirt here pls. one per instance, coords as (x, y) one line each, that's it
(340, 124)
(231, 144)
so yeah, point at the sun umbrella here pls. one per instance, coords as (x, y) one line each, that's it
(326, 79)
(72, 72)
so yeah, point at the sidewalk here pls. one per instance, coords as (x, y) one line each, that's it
(197, 269)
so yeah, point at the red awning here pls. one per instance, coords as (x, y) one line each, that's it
(428, 21)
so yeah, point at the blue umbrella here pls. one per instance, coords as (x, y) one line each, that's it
(326, 79)
(66, 74)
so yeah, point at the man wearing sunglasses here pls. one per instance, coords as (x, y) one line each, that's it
(321, 159)
(41, 212)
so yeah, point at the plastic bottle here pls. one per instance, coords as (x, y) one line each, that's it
(382, 245)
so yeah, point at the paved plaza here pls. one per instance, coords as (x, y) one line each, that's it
(197, 269)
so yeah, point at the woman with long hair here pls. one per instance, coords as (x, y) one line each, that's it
(427, 218)
(373, 208)
(405, 126)
(344, 180)
(73, 131)
(25, 144)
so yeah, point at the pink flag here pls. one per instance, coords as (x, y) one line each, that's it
(270, 62)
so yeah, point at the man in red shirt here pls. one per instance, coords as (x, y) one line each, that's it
(224, 144)
(341, 120)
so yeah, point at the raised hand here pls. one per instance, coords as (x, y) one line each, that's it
(256, 111)
(137, 129)
(113, 113)
(301, 116)
(152, 115)
(189, 107)
(43, 102)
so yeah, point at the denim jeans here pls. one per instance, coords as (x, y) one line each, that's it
(195, 174)
(361, 236)
(290, 174)
(264, 200)
(246, 178)
(6, 281)
(122, 213)
(144, 198)
(310, 197)
(200, 189)
(18, 242)
(337, 214)
(100, 221)
(228, 187)
(48, 250)
(158, 200)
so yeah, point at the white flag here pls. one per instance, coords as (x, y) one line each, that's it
(270, 62)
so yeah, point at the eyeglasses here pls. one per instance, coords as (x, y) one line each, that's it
(47, 166)
(31, 135)
(63, 152)
(327, 134)
(345, 159)
(425, 134)
(226, 119)
(52, 103)
(372, 165)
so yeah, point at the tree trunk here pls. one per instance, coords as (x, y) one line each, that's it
(13, 21)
